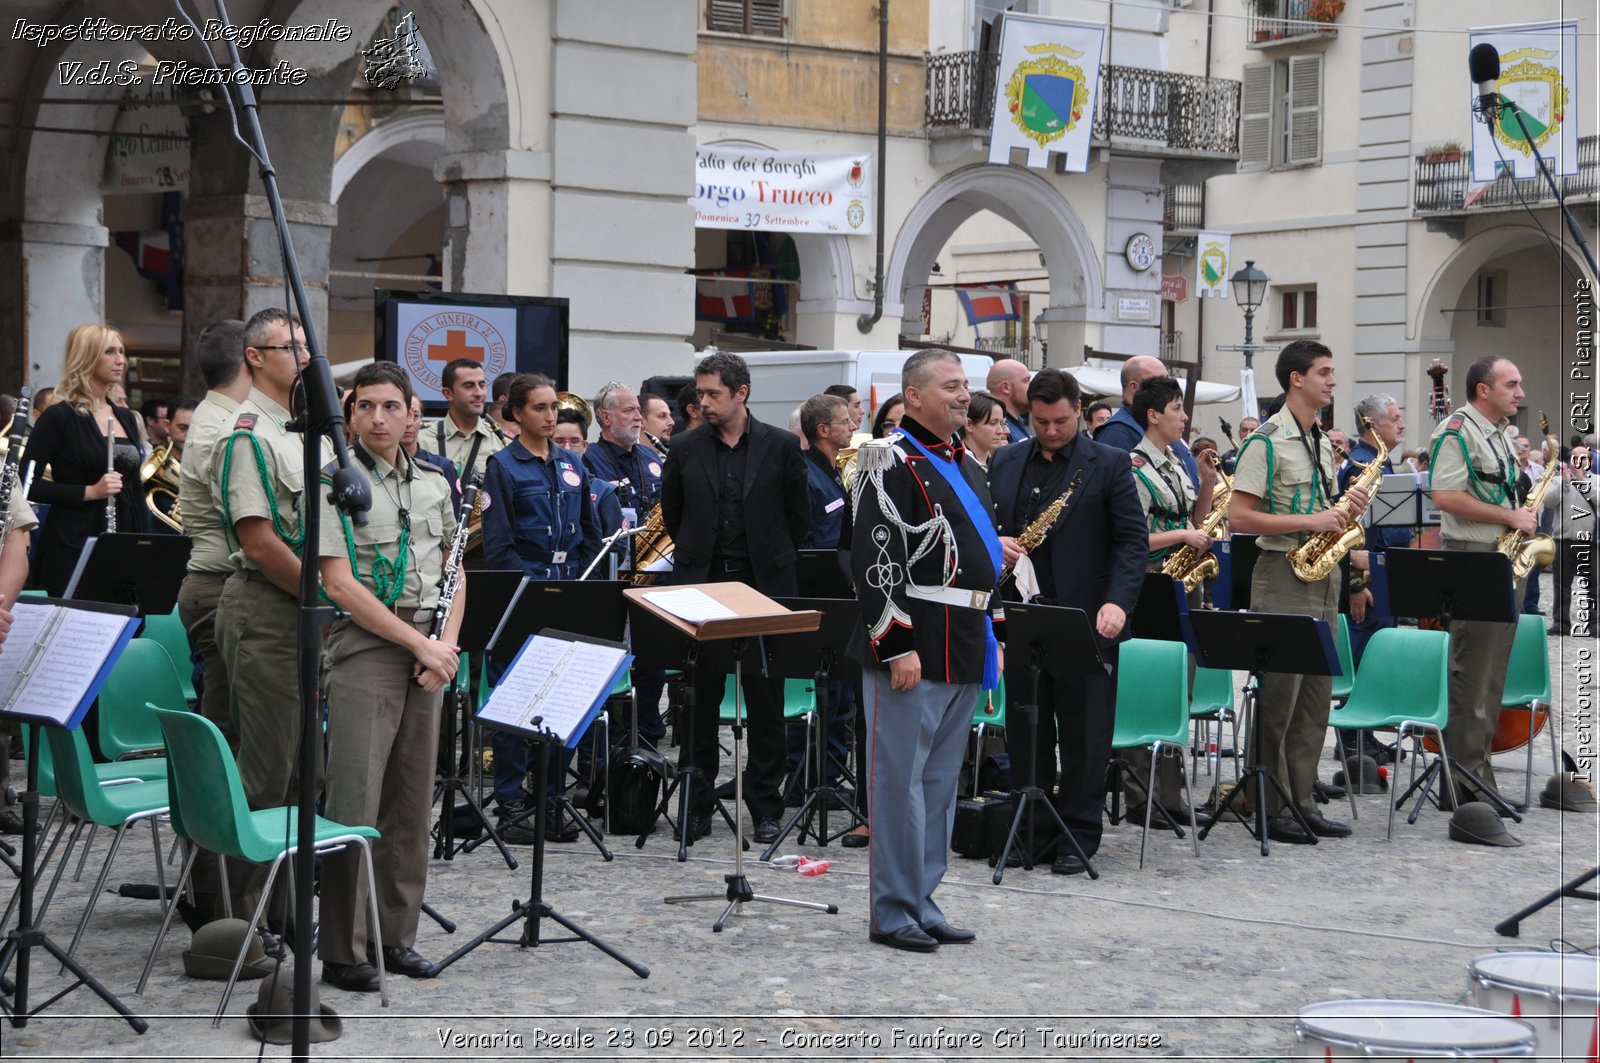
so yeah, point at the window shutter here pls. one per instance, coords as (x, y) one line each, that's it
(1305, 110)
(1255, 118)
(766, 17)
(763, 17)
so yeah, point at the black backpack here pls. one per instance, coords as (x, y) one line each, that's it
(633, 788)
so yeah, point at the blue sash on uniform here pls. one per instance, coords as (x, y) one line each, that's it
(978, 516)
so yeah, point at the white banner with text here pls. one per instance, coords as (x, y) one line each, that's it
(782, 191)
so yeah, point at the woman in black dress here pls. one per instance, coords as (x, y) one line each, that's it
(70, 440)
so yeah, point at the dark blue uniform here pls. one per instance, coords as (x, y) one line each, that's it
(636, 472)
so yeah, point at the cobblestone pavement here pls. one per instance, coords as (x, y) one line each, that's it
(1205, 958)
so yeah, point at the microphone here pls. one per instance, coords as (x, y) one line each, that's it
(1484, 63)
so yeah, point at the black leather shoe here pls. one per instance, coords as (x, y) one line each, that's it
(405, 961)
(766, 831)
(1326, 791)
(1323, 827)
(945, 934)
(356, 977)
(855, 840)
(907, 939)
(557, 827)
(10, 821)
(1068, 864)
(1285, 829)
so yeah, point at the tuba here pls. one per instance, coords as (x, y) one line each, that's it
(1186, 564)
(159, 474)
(1320, 554)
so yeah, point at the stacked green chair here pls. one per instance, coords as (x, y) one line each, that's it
(1528, 689)
(168, 630)
(1153, 710)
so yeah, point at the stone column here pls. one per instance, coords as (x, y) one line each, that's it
(52, 275)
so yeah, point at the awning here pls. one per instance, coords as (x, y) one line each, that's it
(1098, 380)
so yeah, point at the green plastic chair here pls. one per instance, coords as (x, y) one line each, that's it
(990, 711)
(118, 807)
(143, 679)
(168, 630)
(1153, 710)
(209, 810)
(1211, 699)
(1346, 680)
(1403, 682)
(1528, 688)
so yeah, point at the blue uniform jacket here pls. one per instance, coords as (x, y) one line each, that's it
(536, 510)
(829, 504)
(640, 467)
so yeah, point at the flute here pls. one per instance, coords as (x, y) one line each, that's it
(111, 458)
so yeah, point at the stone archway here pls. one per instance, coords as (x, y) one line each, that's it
(1028, 201)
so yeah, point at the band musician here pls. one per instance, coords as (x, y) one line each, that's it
(1092, 560)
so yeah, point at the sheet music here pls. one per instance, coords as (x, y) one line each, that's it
(687, 603)
(559, 681)
(72, 659)
(27, 622)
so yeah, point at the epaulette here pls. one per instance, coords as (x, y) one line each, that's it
(876, 455)
(1139, 461)
(427, 466)
(245, 422)
(1266, 428)
(1455, 423)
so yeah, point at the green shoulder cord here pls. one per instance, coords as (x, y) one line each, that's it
(1161, 519)
(388, 574)
(294, 541)
(1495, 498)
(1271, 463)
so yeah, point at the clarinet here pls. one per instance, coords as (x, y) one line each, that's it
(8, 473)
(111, 466)
(450, 585)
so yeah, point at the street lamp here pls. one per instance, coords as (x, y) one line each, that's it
(1249, 291)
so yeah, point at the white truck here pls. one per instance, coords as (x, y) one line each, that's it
(782, 380)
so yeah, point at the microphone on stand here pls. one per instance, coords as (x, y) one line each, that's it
(1484, 63)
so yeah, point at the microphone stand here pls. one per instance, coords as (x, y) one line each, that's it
(351, 493)
(605, 547)
(1490, 114)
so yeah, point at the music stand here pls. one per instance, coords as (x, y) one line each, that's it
(124, 568)
(744, 613)
(820, 576)
(1259, 643)
(489, 592)
(1453, 585)
(1236, 564)
(1063, 638)
(822, 657)
(1162, 611)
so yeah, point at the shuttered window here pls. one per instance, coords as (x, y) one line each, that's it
(1303, 139)
(1255, 117)
(758, 17)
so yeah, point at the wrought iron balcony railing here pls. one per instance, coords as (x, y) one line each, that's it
(1177, 111)
(1182, 207)
(1444, 184)
(1283, 20)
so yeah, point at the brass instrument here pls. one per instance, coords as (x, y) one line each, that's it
(1188, 565)
(1320, 554)
(845, 462)
(1039, 529)
(650, 545)
(567, 400)
(1529, 553)
(159, 474)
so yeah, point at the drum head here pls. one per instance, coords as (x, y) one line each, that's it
(1420, 1027)
(1573, 976)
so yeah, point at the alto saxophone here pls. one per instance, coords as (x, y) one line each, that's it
(1039, 528)
(1319, 555)
(1188, 565)
(1530, 552)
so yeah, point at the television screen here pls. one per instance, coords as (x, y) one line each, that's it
(425, 331)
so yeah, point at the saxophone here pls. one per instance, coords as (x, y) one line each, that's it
(1530, 552)
(450, 584)
(1039, 529)
(18, 430)
(1186, 564)
(1320, 554)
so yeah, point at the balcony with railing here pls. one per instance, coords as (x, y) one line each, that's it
(1444, 184)
(1176, 114)
(1275, 22)
(1183, 207)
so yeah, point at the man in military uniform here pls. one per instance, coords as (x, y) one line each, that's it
(20, 523)
(384, 684)
(257, 476)
(1474, 487)
(467, 436)
(1283, 492)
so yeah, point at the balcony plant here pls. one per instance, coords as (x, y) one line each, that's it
(1325, 10)
(1265, 9)
(1449, 151)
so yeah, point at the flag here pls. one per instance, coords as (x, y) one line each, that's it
(1044, 93)
(1211, 264)
(158, 253)
(718, 299)
(1539, 75)
(990, 302)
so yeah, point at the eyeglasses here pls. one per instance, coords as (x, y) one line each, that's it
(298, 348)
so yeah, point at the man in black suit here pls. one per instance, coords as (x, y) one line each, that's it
(734, 500)
(1092, 560)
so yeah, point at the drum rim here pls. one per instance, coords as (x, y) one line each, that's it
(1559, 993)
(1529, 1041)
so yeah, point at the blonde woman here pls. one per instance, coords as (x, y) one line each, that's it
(70, 440)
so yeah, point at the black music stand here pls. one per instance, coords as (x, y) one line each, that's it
(588, 608)
(1162, 611)
(125, 568)
(1236, 564)
(656, 644)
(820, 656)
(1060, 639)
(820, 576)
(488, 594)
(1452, 585)
(1259, 643)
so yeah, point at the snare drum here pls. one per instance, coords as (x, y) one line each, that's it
(1558, 993)
(1408, 1030)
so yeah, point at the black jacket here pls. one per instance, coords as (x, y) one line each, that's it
(1100, 542)
(777, 506)
(948, 639)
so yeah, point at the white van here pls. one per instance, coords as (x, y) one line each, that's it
(782, 380)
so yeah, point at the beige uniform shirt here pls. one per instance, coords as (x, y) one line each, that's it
(422, 492)
(458, 444)
(269, 488)
(202, 515)
(19, 515)
(1470, 453)
(1165, 492)
(1275, 464)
